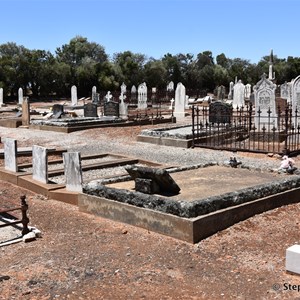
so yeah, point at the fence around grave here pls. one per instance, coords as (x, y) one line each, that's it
(242, 129)
(24, 220)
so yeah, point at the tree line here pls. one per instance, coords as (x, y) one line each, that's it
(86, 64)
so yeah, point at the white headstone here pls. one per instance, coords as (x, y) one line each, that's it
(74, 98)
(94, 94)
(39, 164)
(20, 96)
(238, 95)
(247, 90)
(1, 97)
(264, 97)
(73, 171)
(170, 86)
(142, 96)
(296, 95)
(180, 98)
(123, 107)
(108, 96)
(10, 155)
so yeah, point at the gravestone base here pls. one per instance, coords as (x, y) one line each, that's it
(292, 263)
(146, 186)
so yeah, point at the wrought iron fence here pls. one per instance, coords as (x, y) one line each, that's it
(244, 129)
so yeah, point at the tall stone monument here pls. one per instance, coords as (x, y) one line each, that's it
(238, 95)
(265, 106)
(180, 96)
(247, 91)
(20, 96)
(123, 108)
(1, 97)
(296, 96)
(74, 99)
(230, 94)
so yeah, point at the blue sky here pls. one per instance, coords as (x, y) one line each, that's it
(247, 29)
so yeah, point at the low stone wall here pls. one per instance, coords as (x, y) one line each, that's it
(198, 207)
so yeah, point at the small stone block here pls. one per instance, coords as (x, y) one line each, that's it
(146, 186)
(292, 262)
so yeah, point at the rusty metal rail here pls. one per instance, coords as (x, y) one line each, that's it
(25, 220)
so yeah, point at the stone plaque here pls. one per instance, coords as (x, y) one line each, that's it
(152, 180)
(90, 110)
(57, 110)
(220, 112)
(111, 109)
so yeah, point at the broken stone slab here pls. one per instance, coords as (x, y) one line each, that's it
(153, 180)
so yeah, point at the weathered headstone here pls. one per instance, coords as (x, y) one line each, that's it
(142, 96)
(57, 110)
(230, 94)
(170, 86)
(238, 95)
(265, 106)
(20, 96)
(221, 92)
(285, 91)
(73, 171)
(247, 90)
(74, 99)
(111, 109)
(39, 164)
(10, 155)
(90, 110)
(94, 94)
(123, 107)
(296, 95)
(25, 112)
(220, 112)
(133, 93)
(180, 98)
(1, 97)
(153, 181)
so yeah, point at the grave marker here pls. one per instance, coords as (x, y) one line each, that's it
(57, 110)
(220, 112)
(25, 112)
(74, 98)
(111, 109)
(180, 98)
(10, 155)
(90, 110)
(73, 171)
(39, 164)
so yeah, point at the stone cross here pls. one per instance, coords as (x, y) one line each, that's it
(123, 107)
(10, 155)
(74, 98)
(180, 97)
(73, 171)
(108, 96)
(40, 164)
(20, 96)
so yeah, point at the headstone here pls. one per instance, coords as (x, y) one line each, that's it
(172, 104)
(153, 181)
(73, 171)
(74, 99)
(220, 112)
(142, 96)
(285, 91)
(264, 95)
(247, 90)
(170, 86)
(57, 111)
(179, 101)
(296, 95)
(221, 92)
(10, 155)
(1, 97)
(230, 94)
(90, 110)
(238, 95)
(25, 112)
(133, 93)
(111, 109)
(39, 164)
(123, 107)
(94, 92)
(20, 96)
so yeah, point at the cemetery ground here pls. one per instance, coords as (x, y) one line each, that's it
(81, 256)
